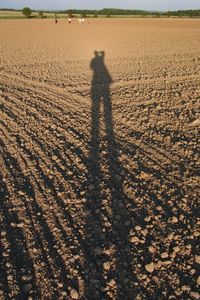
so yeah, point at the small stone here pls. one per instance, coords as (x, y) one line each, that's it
(170, 236)
(158, 265)
(196, 233)
(152, 249)
(178, 292)
(198, 280)
(134, 240)
(176, 249)
(35, 251)
(9, 278)
(159, 208)
(156, 279)
(20, 225)
(195, 295)
(8, 265)
(147, 219)
(164, 255)
(174, 220)
(185, 288)
(167, 262)
(195, 123)
(144, 232)
(112, 283)
(150, 267)
(74, 294)
(106, 266)
(138, 228)
(144, 175)
(60, 284)
(21, 193)
(27, 278)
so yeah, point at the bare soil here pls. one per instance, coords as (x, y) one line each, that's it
(99, 159)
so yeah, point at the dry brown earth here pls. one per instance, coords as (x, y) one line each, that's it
(99, 159)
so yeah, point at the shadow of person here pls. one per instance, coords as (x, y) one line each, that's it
(101, 79)
(107, 251)
(100, 92)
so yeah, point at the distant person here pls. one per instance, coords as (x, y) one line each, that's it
(56, 21)
(70, 20)
(82, 20)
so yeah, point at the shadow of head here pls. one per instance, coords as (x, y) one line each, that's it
(99, 53)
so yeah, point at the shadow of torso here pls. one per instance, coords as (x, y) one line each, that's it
(101, 79)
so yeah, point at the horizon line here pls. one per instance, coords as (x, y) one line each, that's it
(92, 9)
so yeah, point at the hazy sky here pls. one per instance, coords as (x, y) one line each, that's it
(95, 4)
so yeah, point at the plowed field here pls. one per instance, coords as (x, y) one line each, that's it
(99, 159)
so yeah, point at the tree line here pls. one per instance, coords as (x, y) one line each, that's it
(107, 11)
(130, 12)
(184, 13)
(112, 12)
